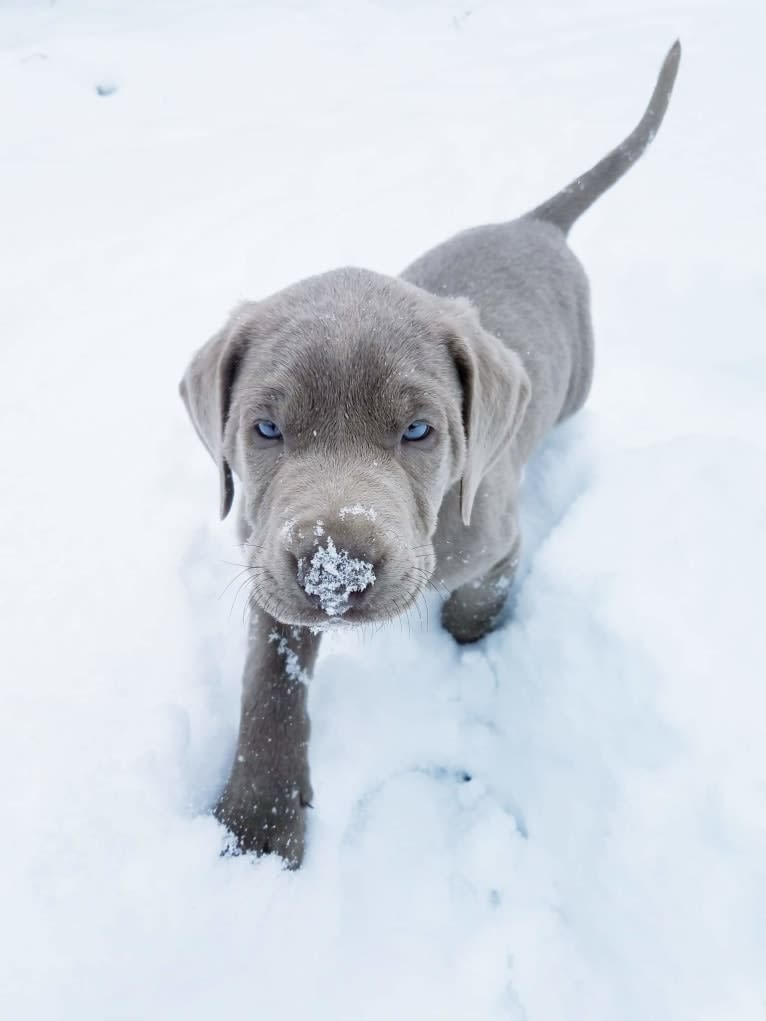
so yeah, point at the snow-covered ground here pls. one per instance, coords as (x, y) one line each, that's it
(606, 860)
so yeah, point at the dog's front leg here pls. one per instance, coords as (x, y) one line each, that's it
(474, 609)
(265, 799)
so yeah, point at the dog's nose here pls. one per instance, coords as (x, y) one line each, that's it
(334, 576)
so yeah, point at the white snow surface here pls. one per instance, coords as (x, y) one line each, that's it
(607, 857)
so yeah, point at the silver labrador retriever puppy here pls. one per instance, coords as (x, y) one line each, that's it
(378, 427)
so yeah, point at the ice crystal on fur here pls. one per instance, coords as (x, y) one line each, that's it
(293, 667)
(333, 575)
(358, 511)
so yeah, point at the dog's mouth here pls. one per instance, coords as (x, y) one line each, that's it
(351, 571)
(338, 604)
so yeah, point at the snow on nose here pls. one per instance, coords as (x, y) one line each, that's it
(332, 575)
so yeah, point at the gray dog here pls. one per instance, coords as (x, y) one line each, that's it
(379, 427)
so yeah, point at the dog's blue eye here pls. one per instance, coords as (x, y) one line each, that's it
(416, 431)
(268, 430)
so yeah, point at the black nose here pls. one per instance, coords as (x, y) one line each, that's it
(334, 577)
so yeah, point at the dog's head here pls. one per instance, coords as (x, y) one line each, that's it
(348, 406)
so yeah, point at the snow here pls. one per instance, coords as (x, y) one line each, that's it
(357, 510)
(566, 821)
(333, 574)
(293, 667)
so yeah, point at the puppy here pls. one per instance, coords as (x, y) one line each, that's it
(378, 427)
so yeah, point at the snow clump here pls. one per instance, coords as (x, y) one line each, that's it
(293, 667)
(333, 575)
(358, 511)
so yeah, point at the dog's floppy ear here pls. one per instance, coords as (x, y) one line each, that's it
(496, 391)
(206, 391)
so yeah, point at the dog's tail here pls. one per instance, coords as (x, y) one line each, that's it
(571, 202)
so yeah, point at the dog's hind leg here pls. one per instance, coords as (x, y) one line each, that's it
(474, 609)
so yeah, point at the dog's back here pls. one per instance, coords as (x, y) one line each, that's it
(532, 293)
(528, 286)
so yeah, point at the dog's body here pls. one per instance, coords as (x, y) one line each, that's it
(379, 427)
(532, 294)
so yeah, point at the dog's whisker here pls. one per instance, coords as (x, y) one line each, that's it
(420, 615)
(239, 575)
(433, 583)
(247, 581)
(421, 596)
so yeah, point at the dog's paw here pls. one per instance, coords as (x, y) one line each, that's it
(468, 624)
(264, 822)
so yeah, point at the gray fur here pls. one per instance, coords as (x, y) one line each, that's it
(571, 202)
(488, 338)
